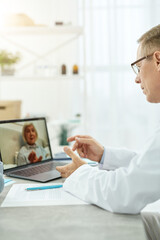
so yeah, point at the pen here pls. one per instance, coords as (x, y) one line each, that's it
(43, 187)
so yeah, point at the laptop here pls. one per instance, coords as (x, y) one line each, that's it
(25, 150)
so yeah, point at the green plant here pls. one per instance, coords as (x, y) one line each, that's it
(8, 58)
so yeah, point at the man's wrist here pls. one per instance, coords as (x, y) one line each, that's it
(101, 155)
(82, 163)
(102, 158)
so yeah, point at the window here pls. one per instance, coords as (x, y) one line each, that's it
(117, 111)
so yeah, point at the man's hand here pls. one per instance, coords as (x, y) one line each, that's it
(87, 147)
(33, 157)
(68, 169)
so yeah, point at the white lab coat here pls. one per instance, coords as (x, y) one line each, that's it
(125, 183)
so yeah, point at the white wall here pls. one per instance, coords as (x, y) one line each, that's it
(117, 112)
(56, 99)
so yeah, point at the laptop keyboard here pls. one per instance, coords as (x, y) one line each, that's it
(27, 172)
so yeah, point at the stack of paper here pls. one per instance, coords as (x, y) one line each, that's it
(18, 196)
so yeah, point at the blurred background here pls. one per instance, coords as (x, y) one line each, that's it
(69, 60)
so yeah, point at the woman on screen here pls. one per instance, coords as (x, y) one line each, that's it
(31, 152)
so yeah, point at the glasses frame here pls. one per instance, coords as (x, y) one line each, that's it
(139, 60)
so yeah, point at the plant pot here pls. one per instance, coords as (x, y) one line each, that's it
(7, 70)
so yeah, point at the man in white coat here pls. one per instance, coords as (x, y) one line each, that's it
(125, 181)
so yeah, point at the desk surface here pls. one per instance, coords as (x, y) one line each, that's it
(66, 222)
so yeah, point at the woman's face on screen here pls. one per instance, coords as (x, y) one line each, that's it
(30, 135)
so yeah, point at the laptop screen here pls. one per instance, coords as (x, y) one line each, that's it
(24, 142)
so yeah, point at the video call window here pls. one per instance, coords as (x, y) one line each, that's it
(24, 142)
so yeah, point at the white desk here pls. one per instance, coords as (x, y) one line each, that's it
(78, 222)
(151, 219)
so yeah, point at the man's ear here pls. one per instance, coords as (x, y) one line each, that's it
(157, 57)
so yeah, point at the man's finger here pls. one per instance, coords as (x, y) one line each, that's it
(70, 153)
(80, 152)
(76, 159)
(61, 169)
(64, 175)
(75, 146)
(70, 139)
(66, 170)
(84, 140)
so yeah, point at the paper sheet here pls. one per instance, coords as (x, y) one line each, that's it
(19, 197)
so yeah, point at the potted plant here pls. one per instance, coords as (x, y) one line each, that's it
(7, 61)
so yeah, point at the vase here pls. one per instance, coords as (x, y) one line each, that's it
(7, 70)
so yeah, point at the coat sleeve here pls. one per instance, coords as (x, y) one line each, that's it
(114, 158)
(1, 177)
(124, 190)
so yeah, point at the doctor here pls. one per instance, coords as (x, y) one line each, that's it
(1, 177)
(125, 181)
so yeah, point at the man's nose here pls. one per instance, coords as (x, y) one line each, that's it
(137, 80)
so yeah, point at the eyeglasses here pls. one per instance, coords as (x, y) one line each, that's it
(136, 68)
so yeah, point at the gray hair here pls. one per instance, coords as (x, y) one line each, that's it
(24, 128)
(150, 41)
